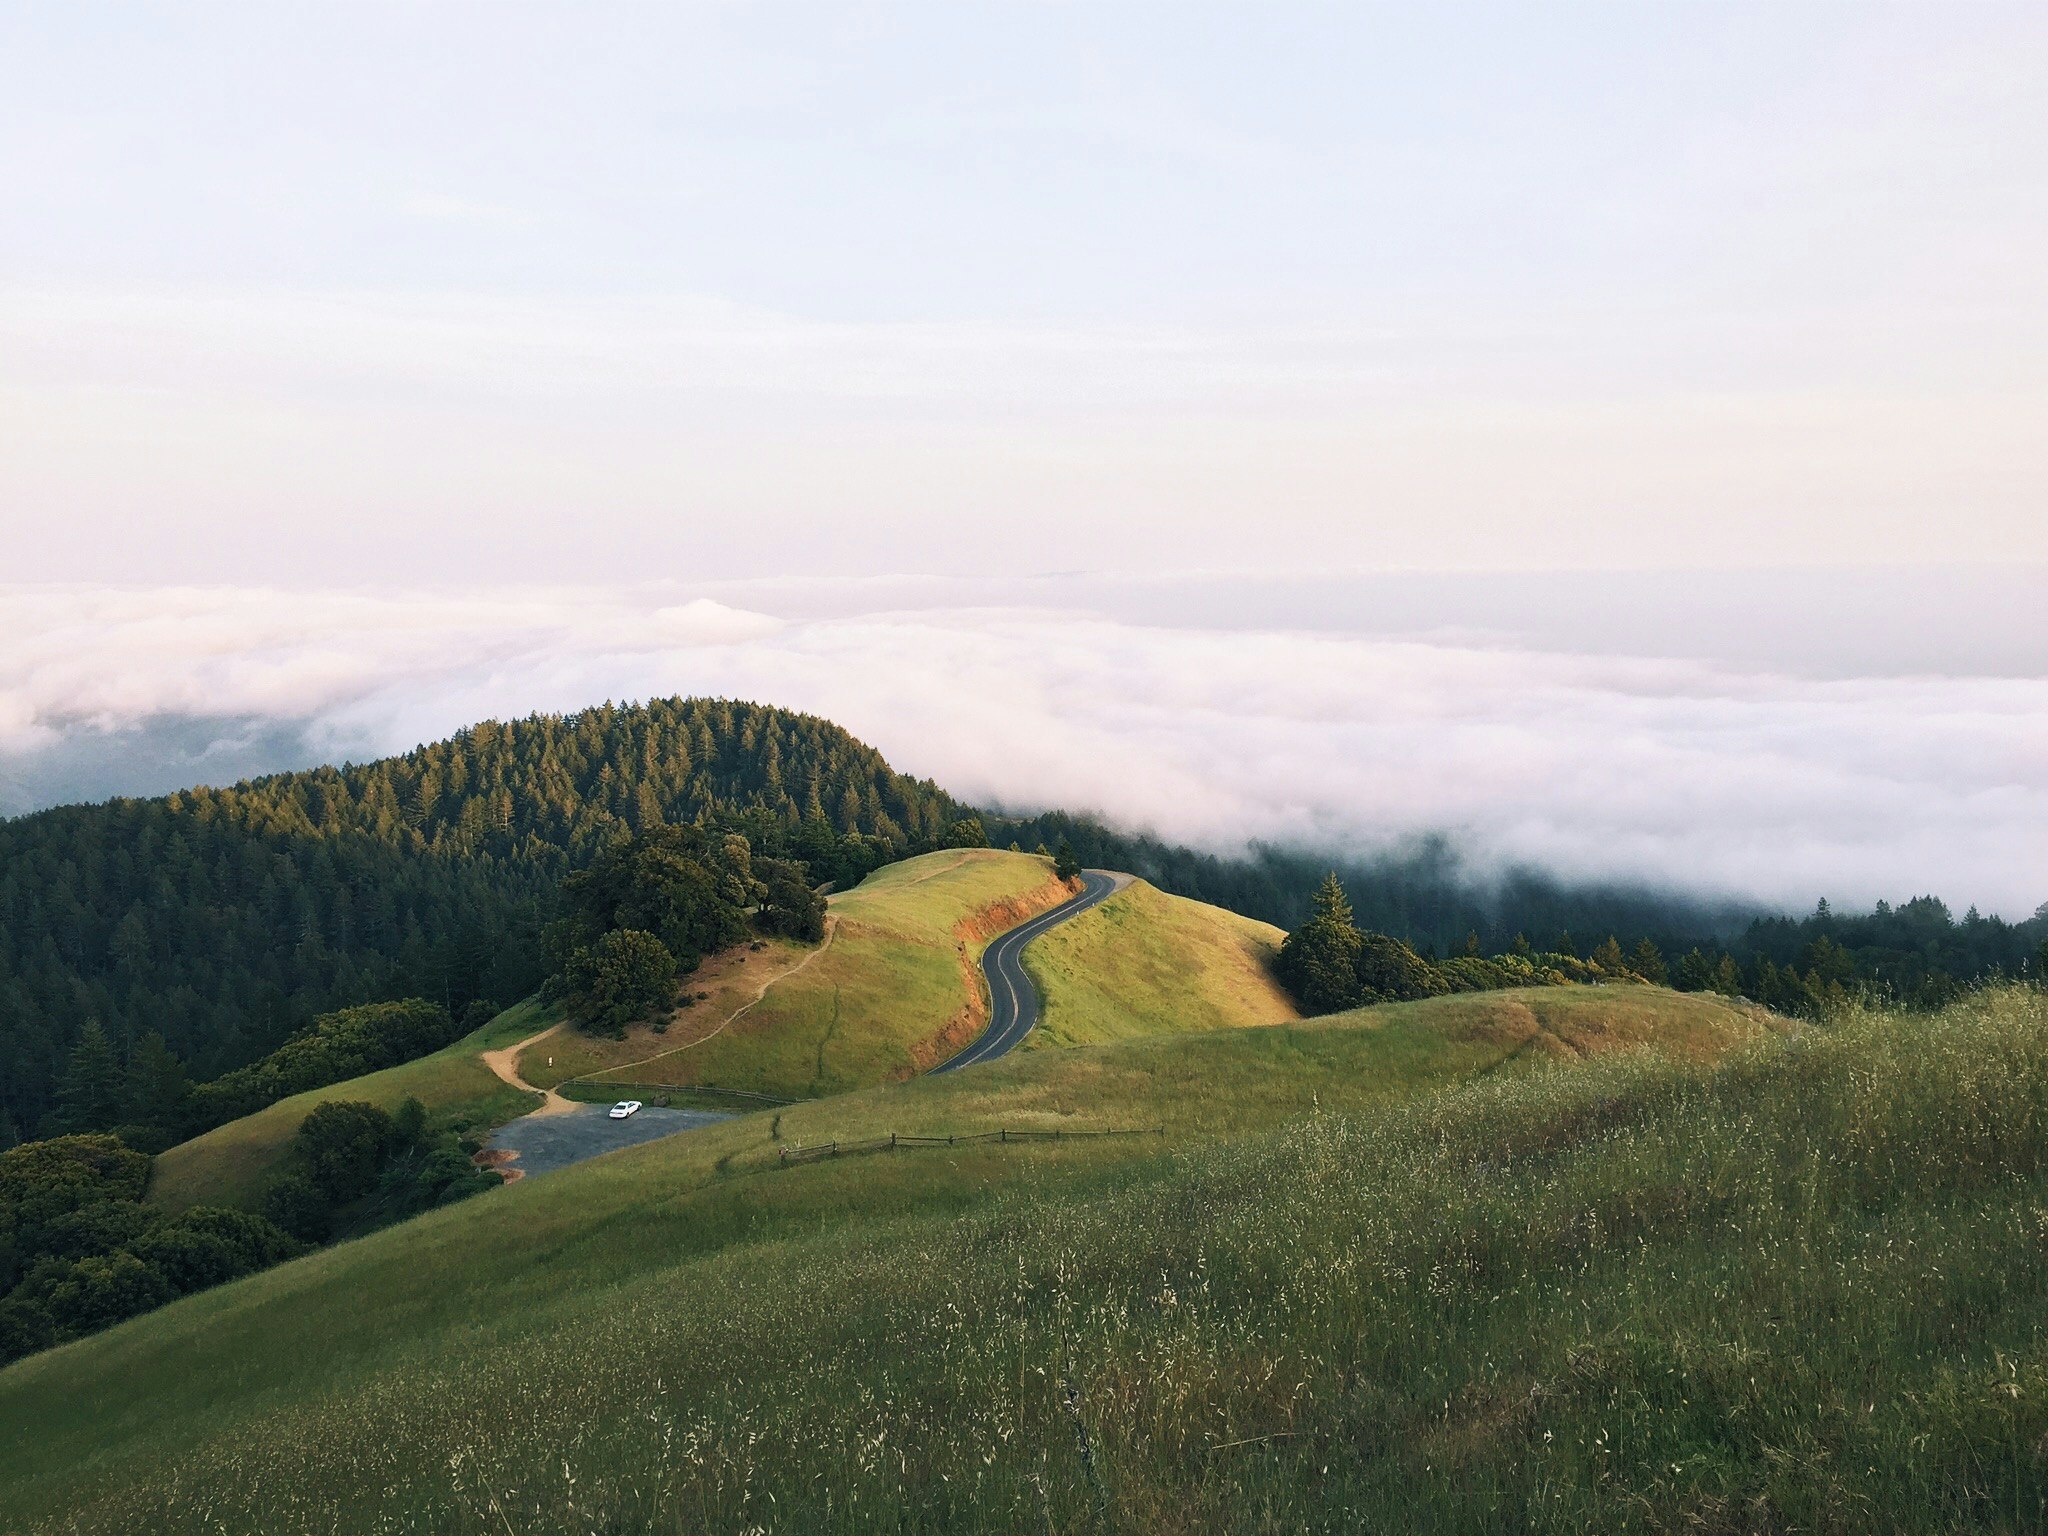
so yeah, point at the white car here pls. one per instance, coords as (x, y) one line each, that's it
(624, 1108)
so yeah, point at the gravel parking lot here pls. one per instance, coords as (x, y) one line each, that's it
(547, 1142)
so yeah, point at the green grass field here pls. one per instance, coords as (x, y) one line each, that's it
(230, 1164)
(1146, 963)
(685, 1336)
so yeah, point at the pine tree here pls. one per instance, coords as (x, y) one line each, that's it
(1319, 960)
(1727, 977)
(1648, 963)
(1065, 866)
(156, 1086)
(89, 1093)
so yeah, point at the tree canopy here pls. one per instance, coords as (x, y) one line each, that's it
(224, 920)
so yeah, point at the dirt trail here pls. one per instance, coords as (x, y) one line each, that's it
(831, 931)
(506, 1064)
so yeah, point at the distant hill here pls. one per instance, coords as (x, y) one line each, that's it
(224, 919)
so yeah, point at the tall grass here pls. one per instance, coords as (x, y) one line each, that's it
(1804, 1290)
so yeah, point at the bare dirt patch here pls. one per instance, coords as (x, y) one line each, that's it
(505, 1064)
(500, 1161)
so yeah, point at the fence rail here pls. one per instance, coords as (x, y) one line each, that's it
(896, 1140)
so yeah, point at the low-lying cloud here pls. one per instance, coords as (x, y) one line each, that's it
(1686, 773)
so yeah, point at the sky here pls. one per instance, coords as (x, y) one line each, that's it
(1618, 433)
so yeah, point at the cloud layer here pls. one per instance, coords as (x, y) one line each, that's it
(1684, 773)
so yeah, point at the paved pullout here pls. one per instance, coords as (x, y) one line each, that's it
(542, 1143)
(1012, 999)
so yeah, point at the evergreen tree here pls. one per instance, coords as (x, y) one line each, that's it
(1727, 977)
(157, 1087)
(1319, 961)
(1648, 962)
(1065, 866)
(1607, 955)
(89, 1096)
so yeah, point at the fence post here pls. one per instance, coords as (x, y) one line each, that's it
(1003, 1136)
(892, 1141)
(949, 1138)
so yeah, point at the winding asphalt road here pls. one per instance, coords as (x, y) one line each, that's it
(1013, 1000)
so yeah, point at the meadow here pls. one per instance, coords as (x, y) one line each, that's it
(687, 1337)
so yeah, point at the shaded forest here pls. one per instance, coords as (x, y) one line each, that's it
(225, 920)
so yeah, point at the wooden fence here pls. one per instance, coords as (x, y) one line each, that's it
(895, 1141)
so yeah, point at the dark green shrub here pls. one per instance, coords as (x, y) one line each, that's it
(342, 1146)
(294, 1205)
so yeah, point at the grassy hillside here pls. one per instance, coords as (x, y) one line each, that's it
(886, 997)
(693, 1329)
(230, 1164)
(893, 992)
(1146, 963)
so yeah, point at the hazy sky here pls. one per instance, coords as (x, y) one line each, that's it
(444, 292)
(1617, 434)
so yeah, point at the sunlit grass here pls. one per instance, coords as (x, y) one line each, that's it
(1146, 963)
(895, 993)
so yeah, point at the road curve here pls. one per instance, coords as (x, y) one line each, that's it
(1012, 999)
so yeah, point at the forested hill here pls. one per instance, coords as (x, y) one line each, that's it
(224, 919)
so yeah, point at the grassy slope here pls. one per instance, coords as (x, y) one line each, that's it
(867, 1009)
(715, 990)
(888, 998)
(691, 1289)
(1147, 963)
(230, 1164)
